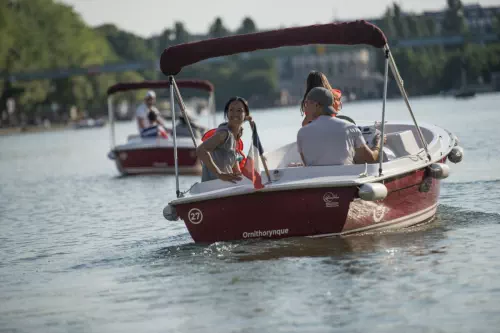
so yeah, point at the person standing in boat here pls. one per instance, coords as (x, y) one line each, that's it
(318, 79)
(218, 153)
(142, 111)
(328, 140)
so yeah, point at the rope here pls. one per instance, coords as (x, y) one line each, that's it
(189, 190)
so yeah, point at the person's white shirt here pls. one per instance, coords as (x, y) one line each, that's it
(142, 112)
(329, 141)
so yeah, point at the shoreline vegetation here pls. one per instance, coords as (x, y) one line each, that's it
(29, 44)
(54, 127)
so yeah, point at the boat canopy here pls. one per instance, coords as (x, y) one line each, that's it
(195, 84)
(174, 58)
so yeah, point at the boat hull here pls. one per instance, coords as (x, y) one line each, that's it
(314, 212)
(157, 160)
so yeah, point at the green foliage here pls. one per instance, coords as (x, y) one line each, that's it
(497, 24)
(247, 26)
(217, 29)
(454, 21)
(181, 35)
(429, 71)
(129, 46)
(252, 79)
(48, 35)
(44, 34)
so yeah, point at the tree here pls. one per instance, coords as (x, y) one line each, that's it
(387, 24)
(431, 27)
(400, 22)
(415, 29)
(180, 33)
(217, 29)
(454, 22)
(128, 46)
(496, 25)
(163, 40)
(247, 26)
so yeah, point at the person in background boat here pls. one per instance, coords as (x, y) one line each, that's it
(218, 153)
(328, 140)
(142, 111)
(156, 129)
(318, 79)
(182, 128)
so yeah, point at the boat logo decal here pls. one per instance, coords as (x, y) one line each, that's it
(195, 216)
(331, 199)
(378, 213)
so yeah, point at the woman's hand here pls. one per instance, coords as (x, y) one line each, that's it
(250, 120)
(229, 177)
(376, 140)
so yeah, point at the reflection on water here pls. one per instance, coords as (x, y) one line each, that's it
(84, 249)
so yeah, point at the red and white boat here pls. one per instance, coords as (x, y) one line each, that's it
(157, 155)
(400, 191)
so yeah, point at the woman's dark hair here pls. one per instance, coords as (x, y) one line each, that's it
(152, 116)
(239, 99)
(245, 106)
(314, 79)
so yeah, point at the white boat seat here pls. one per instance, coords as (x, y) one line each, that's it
(402, 143)
(133, 137)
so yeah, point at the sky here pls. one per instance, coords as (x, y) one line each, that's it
(149, 17)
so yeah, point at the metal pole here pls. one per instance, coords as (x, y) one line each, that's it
(111, 116)
(399, 81)
(172, 108)
(183, 111)
(386, 78)
(211, 105)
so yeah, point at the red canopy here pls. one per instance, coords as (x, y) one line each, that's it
(348, 33)
(195, 84)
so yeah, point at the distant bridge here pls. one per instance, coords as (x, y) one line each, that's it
(154, 65)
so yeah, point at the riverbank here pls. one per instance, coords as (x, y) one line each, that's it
(31, 129)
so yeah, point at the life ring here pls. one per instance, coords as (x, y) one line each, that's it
(239, 146)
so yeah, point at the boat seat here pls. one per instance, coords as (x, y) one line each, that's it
(133, 137)
(402, 143)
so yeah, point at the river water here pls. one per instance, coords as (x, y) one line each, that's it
(84, 250)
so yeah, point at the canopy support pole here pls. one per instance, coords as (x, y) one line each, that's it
(176, 161)
(400, 83)
(211, 107)
(386, 78)
(111, 116)
(182, 106)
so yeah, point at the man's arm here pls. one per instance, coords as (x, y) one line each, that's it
(366, 155)
(299, 147)
(140, 122)
(303, 160)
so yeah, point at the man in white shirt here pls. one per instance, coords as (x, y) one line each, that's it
(328, 140)
(142, 111)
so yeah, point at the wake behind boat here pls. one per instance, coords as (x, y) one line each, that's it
(143, 155)
(401, 190)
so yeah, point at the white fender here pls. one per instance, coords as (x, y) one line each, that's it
(170, 213)
(439, 170)
(456, 154)
(372, 192)
(111, 155)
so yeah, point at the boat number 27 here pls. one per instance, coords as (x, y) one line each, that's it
(195, 216)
